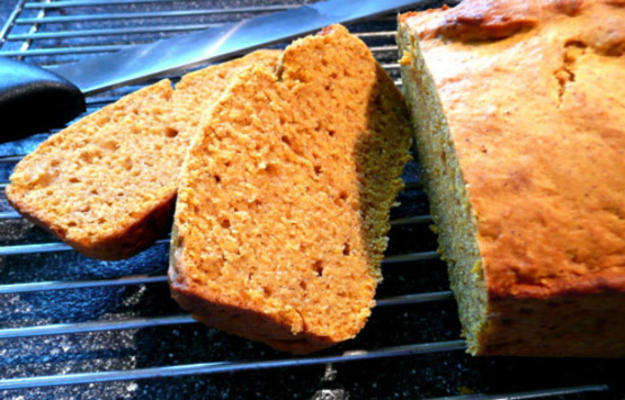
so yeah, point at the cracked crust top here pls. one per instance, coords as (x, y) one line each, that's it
(532, 95)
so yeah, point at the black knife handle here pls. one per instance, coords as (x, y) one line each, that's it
(33, 99)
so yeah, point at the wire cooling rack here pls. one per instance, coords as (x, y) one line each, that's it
(72, 327)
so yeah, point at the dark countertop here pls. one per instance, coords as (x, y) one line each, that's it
(5, 9)
(408, 377)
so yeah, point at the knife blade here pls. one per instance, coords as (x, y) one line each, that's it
(33, 99)
(107, 71)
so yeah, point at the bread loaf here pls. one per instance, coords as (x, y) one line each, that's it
(283, 207)
(520, 127)
(106, 185)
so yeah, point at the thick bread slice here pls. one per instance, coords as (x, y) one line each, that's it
(106, 185)
(282, 212)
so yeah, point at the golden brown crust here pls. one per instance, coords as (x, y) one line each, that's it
(519, 126)
(537, 120)
(282, 213)
(485, 20)
(488, 19)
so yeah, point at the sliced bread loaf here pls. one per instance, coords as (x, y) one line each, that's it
(283, 207)
(520, 128)
(106, 185)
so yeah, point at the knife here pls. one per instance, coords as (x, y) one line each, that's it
(33, 99)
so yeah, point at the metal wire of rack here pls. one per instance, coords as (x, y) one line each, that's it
(50, 32)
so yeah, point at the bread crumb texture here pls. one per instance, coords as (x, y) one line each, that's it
(106, 185)
(527, 93)
(282, 213)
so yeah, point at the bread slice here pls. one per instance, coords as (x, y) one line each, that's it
(106, 185)
(521, 134)
(282, 212)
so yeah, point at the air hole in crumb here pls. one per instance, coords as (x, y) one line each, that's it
(303, 285)
(346, 249)
(286, 140)
(227, 163)
(71, 224)
(271, 169)
(267, 291)
(73, 179)
(443, 157)
(225, 223)
(318, 267)
(217, 178)
(171, 132)
(331, 132)
(317, 169)
(110, 145)
(340, 200)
